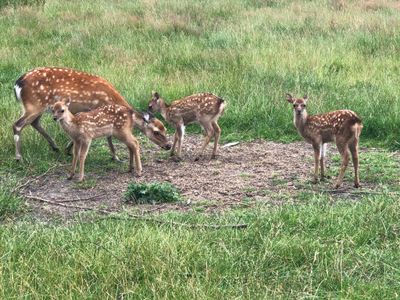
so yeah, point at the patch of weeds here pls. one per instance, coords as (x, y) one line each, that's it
(142, 193)
(245, 175)
(86, 184)
(278, 181)
(249, 189)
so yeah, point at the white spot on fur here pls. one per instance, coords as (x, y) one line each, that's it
(16, 138)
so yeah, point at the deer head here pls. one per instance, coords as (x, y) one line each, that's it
(155, 130)
(155, 102)
(60, 110)
(299, 104)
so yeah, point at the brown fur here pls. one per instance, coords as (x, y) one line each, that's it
(40, 88)
(342, 127)
(109, 120)
(204, 108)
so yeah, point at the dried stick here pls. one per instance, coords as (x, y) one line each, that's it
(134, 216)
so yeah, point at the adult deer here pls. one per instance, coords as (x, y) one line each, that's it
(204, 108)
(108, 120)
(342, 127)
(40, 88)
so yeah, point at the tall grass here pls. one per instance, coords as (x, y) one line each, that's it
(249, 52)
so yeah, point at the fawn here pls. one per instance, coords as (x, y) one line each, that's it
(40, 88)
(342, 127)
(204, 108)
(108, 120)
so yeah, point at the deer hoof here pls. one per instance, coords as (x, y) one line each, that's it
(337, 185)
(70, 176)
(117, 159)
(56, 149)
(356, 185)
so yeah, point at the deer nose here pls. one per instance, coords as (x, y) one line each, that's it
(55, 118)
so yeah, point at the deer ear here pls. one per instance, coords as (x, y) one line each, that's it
(305, 98)
(289, 98)
(67, 102)
(155, 95)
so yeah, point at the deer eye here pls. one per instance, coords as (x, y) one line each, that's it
(62, 111)
(294, 105)
(304, 105)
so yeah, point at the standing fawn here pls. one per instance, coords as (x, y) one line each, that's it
(108, 120)
(204, 109)
(342, 127)
(42, 87)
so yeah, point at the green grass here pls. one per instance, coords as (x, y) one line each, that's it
(250, 52)
(315, 250)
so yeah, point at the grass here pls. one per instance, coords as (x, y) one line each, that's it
(343, 54)
(315, 250)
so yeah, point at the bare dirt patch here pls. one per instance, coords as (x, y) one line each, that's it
(258, 172)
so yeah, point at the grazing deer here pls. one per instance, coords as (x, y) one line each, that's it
(108, 120)
(203, 108)
(342, 127)
(40, 88)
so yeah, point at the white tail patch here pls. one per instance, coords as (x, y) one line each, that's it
(221, 108)
(18, 90)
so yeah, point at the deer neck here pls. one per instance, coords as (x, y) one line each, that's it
(164, 109)
(68, 123)
(300, 121)
(138, 121)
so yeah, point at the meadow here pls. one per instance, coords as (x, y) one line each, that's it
(342, 54)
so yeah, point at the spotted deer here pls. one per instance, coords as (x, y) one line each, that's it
(204, 108)
(40, 88)
(342, 127)
(108, 120)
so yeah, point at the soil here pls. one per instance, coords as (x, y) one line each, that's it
(246, 174)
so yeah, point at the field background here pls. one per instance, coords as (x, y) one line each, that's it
(343, 54)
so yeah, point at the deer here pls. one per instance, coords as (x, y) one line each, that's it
(42, 87)
(341, 126)
(203, 108)
(108, 120)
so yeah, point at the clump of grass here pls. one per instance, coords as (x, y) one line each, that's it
(142, 193)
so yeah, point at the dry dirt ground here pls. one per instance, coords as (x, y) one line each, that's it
(247, 174)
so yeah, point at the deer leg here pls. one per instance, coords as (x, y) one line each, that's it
(112, 149)
(174, 144)
(316, 162)
(134, 154)
(354, 155)
(210, 132)
(322, 156)
(82, 157)
(344, 152)
(26, 119)
(180, 130)
(36, 124)
(76, 151)
(217, 134)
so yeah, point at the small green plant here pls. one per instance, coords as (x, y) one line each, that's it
(141, 193)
